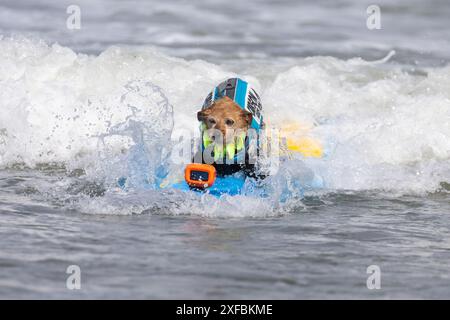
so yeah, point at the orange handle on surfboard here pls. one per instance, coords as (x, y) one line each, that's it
(199, 175)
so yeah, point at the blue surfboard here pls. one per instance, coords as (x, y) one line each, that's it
(231, 185)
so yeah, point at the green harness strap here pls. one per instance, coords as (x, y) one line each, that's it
(230, 148)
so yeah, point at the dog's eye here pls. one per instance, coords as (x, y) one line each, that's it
(211, 121)
(229, 122)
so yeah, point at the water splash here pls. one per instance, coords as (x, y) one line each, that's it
(108, 116)
(148, 127)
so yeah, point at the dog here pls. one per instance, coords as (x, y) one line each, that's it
(227, 115)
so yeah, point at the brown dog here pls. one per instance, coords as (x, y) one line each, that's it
(227, 117)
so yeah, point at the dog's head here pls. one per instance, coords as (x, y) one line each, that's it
(227, 117)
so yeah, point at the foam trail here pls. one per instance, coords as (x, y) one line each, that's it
(382, 128)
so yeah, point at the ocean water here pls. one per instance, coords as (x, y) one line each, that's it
(81, 108)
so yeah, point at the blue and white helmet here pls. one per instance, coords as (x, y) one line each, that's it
(243, 95)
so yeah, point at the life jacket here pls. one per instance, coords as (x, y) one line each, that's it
(244, 96)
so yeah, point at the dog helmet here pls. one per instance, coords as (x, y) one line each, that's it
(243, 95)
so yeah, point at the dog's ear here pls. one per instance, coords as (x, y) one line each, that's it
(248, 117)
(201, 115)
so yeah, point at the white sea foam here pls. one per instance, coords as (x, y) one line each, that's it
(381, 127)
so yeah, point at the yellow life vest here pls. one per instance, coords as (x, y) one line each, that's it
(231, 149)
